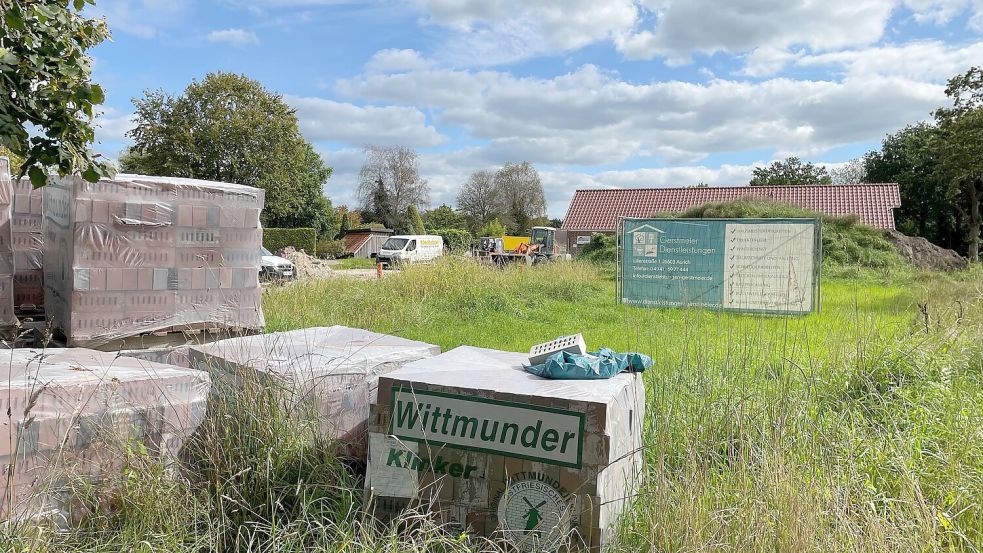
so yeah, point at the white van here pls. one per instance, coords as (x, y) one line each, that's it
(410, 248)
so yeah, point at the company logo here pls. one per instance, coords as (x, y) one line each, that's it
(645, 241)
(533, 516)
(543, 434)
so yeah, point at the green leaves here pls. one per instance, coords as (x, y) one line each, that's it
(44, 67)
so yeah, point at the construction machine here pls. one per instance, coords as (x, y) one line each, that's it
(538, 247)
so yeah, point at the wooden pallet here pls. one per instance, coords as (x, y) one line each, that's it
(199, 334)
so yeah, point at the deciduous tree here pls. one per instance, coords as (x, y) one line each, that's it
(788, 172)
(389, 183)
(229, 128)
(45, 83)
(477, 200)
(519, 193)
(444, 217)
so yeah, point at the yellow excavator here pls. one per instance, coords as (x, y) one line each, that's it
(538, 247)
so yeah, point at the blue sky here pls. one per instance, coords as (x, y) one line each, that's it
(595, 93)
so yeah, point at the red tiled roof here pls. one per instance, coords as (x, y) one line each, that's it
(598, 210)
(354, 241)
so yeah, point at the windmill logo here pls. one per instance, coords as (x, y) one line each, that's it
(533, 516)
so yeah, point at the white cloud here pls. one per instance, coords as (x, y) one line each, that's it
(928, 61)
(141, 18)
(394, 60)
(112, 125)
(588, 117)
(235, 37)
(328, 120)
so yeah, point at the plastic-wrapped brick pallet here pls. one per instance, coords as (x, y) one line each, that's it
(72, 413)
(7, 317)
(136, 254)
(548, 465)
(333, 369)
(26, 230)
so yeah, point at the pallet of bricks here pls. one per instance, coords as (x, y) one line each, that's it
(70, 417)
(545, 465)
(135, 255)
(26, 230)
(8, 320)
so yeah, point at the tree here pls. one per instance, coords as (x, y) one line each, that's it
(790, 172)
(492, 228)
(556, 223)
(444, 217)
(45, 79)
(346, 225)
(389, 183)
(16, 162)
(412, 222)
(477, 199)
(519, 193)
(851, 172)
(229, 128)
(961, 151)
(909, 158)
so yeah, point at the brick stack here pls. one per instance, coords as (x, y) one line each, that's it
(26, 230)
(547, 465)
(72, 414)
(8, 319)
(136, 255)
(333, 371)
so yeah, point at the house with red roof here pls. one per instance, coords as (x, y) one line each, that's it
(599, 210)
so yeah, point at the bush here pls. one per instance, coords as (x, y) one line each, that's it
(600, 249)
(330, 249)
(456, 240)
(300, 238)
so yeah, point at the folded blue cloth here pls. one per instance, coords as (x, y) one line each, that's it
(595, 365)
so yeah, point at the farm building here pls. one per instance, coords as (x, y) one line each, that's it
(365, 242)
(599, 210)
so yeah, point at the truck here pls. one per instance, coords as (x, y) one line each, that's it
(539, 247)
(404, 249)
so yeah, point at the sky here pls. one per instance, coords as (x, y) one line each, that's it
(595, 93)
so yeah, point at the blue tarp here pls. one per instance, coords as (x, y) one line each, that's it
(595, 365)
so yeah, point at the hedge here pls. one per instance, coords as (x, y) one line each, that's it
(300, 238)
(456, 240)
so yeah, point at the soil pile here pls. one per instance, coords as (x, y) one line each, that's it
(925, 255)
(307, 266)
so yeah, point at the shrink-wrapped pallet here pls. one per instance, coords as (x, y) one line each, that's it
(135, 255)
(71, 415)
(7, 318)
(333, 370)
(547, 465)
(26, 231)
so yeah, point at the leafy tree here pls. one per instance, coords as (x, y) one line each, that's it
(788, 172)
(477, 199)
(520, 194)
(961, 151)
(45, 79)
(444, 217)
(851, 172)
(229, 128)
(556, 223)
(493, 228)
(346, 225)
(412, 223)
(908, 157)
(389, 183)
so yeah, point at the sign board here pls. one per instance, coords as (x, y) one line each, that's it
(745, 265)
(524, 431)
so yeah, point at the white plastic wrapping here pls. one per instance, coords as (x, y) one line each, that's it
(7, 317)
(27, 239)
(334, 368)
(137, 254)
(73, 413)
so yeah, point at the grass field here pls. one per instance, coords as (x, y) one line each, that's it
(856, 429)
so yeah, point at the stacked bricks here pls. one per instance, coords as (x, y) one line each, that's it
(547, 465)
(136, 255)
(332, 372)
(71, 416)
(26, 230)
(8, 320)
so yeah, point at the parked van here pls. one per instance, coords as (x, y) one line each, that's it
(410, 248)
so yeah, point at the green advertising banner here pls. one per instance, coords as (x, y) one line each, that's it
(746, 265)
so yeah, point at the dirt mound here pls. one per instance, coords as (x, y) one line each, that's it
(307, 266)
(925, 255)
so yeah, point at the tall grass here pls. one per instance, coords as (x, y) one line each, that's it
(854, 429)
